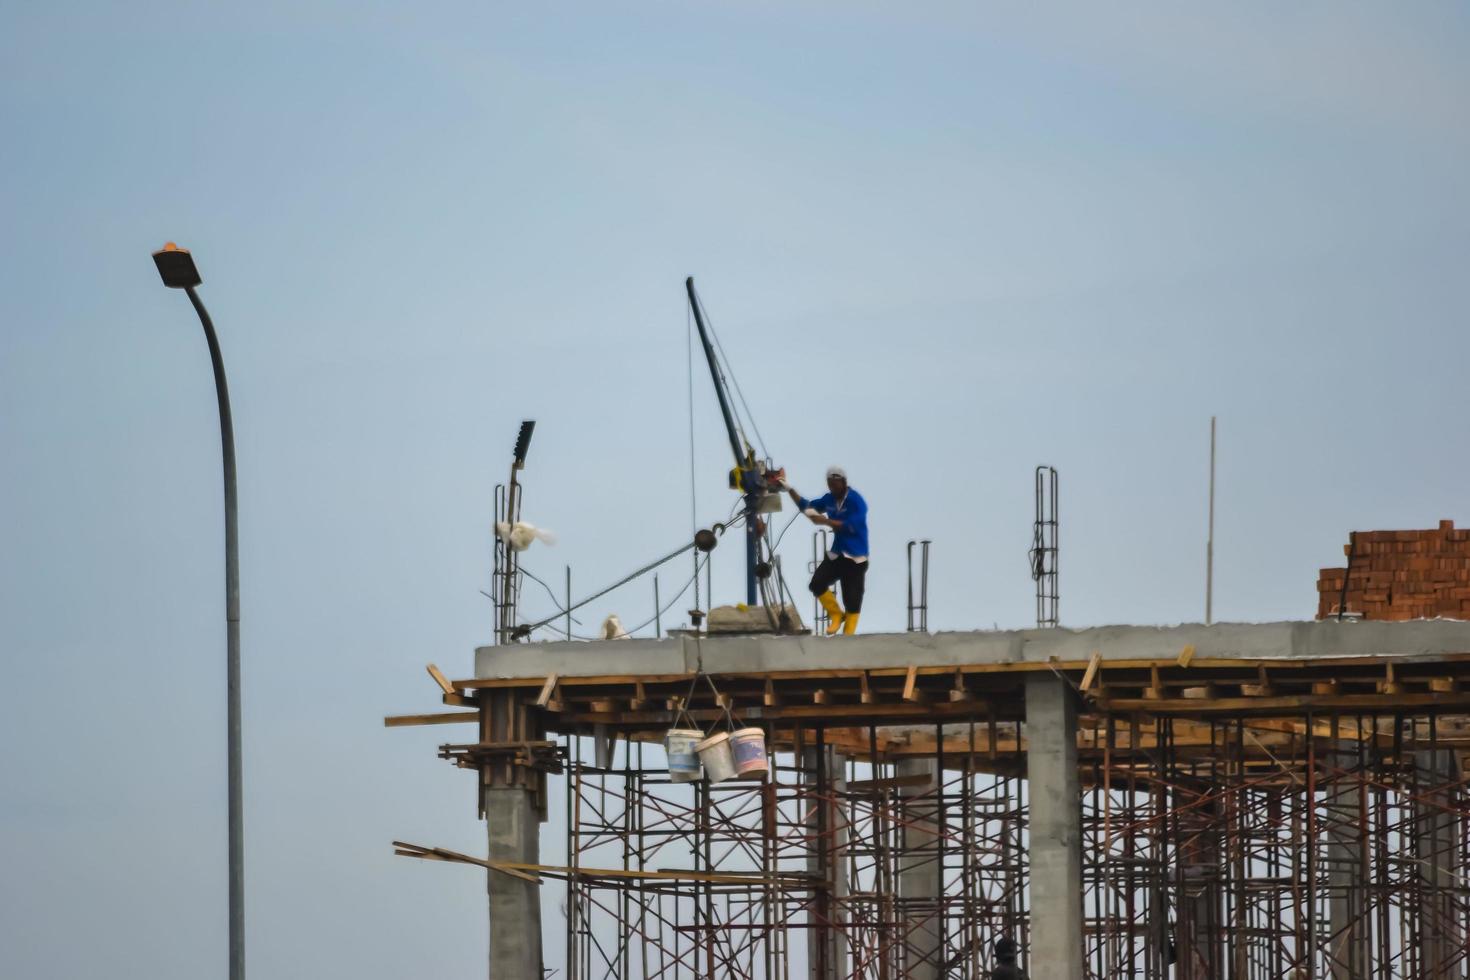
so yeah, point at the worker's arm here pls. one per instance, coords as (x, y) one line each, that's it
(820, 504)
(854, 514)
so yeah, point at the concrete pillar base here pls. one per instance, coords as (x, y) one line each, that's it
(512, 826)
(1056, 830)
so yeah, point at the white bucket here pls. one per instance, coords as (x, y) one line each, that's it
(748, 746)
(680, 744)
(714, 752)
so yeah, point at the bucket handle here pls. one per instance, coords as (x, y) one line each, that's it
(683, 716)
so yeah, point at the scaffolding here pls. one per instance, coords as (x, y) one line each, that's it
(1252, 819)
(1230, 848)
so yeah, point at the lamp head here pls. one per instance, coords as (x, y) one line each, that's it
(523, 442)
(176, 266)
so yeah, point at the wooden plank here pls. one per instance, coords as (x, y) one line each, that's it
(1391, 684)
(959, 692)
(1155, 687)
(1093, 666)
(440, 679)
(440, 718)
(909, 682)
(1262, 688)
(546, 690)
(1186, 655)
(1290, 704)
(898, 712)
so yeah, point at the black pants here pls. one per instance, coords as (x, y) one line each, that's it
(850, 573)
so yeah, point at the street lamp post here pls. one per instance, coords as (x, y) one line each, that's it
(176, 266)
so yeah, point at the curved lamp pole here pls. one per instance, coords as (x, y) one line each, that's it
(176, 266)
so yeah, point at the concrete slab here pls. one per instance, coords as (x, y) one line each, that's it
(1419, 639)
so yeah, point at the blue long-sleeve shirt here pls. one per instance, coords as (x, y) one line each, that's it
(851, 538)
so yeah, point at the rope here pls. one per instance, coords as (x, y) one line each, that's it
(560, 631)
(720, 529)
(783, 532)
(555, 602)
(669, 605)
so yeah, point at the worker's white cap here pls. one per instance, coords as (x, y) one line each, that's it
(836, 471)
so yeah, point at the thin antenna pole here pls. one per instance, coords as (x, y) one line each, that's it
(569, 602)
(1210, 542)
(658, 626)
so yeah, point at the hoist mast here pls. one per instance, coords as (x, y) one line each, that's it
(747, 476)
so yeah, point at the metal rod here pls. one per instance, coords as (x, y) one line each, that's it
(658, 626)
(236, 843)
(569, 602)
(1347, 574)
(1210, 542)
(910, 564)
(1045, 554)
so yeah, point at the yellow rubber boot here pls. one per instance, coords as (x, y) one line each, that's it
(849, 624)
(828, 600)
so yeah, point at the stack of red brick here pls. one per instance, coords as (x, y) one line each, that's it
(1401, 575)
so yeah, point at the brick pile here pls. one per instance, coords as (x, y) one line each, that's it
(1401, 575)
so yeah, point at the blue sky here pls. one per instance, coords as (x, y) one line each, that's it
(942, 244)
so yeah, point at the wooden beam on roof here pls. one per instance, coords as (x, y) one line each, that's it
(547, 689)
(1289, 704)
(1094, 665)
(1262, 688)
(440, 679)
(438, 718)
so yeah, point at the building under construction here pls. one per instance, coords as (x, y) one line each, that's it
(1250, 801)
(1283, 800)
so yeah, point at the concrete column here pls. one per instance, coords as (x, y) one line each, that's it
(1441, 860)
(827, 949)
(920, 882)
(1201, 946)
(515, 905)
(1345, 810)
(1055, 853)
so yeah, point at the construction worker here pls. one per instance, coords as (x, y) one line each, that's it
(1005, 961)
(846, 513)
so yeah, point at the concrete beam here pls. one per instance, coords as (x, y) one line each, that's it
(1055, 852)
(1426, 639)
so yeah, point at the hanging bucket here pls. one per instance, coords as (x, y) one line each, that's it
(748, 745)
(714, 753)
(680, 744)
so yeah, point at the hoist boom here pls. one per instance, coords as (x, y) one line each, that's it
(748, 476)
